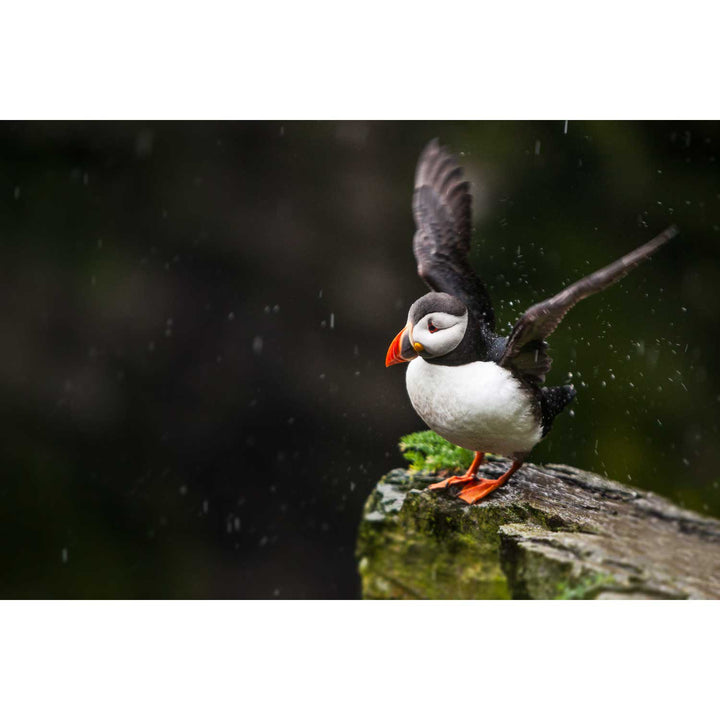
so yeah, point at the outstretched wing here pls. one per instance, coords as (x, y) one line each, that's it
(526, 349)
(442, 210)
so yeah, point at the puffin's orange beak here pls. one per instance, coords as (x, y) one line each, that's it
(401, 349)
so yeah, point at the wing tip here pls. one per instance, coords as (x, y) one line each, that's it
(648, 249)
(670, 233)
(433, 157)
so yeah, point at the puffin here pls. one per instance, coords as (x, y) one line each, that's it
(472, 386)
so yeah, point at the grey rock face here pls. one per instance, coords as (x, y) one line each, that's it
(552, 532)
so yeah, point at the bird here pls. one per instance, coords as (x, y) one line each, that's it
(472, 386)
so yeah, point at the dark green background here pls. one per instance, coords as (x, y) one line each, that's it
(195, 318)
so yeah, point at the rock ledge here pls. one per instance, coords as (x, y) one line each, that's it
(552, 532)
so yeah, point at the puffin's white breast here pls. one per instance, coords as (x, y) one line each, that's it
(479, 406)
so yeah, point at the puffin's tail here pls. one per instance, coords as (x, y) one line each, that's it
(552, 402)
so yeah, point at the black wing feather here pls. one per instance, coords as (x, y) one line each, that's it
(526, 349)
(442, 207)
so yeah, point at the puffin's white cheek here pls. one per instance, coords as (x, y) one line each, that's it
(452, 338)
(431, 343)
(441, 342)
(420, 336)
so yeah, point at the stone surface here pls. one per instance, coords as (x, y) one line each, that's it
(551, 532)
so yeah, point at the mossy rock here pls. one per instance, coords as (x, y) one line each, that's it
(550, 532)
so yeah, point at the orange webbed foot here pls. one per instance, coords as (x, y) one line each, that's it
(454, 480)
(478, 490)
(481, 487)
(469, 476)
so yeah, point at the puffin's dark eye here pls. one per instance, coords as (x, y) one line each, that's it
(431, 326)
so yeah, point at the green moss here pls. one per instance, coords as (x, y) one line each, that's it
(428, 452)
(585, 588)
(412, 548)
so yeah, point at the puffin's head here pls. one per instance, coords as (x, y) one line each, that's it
(436, 325)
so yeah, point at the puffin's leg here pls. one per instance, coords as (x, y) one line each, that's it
(469, 476)
(484, 486)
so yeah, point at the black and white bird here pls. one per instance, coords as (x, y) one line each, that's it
(473, 387)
